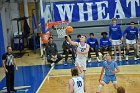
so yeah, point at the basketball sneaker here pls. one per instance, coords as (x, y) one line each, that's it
(120, 58)
(115, 58)
(135, 58)
(98, 59)
(126, 58)
(89, 60)
(65, 63)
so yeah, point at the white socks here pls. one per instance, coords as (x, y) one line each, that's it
(99, 88)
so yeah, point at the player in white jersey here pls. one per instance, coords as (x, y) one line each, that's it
(82, 53)
(76, 84)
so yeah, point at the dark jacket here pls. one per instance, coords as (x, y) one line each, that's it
(51, 49)
(66, 45)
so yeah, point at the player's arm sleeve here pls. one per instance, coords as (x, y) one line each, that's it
(47, 50)
(70, 86)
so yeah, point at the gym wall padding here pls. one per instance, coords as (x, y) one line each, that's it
(2, 49)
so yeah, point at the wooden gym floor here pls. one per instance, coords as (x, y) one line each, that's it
(57, 81)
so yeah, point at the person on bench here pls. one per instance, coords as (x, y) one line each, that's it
(68, 49)
(105, 44)
(93, 43)
(131, 33)
(52, 53)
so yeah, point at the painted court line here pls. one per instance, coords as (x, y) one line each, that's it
(45, 79)
(66, 75)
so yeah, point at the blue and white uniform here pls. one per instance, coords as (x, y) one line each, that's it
(109, 68)
(81, 58)
(115, 34)
(104, 42)
(132, 35)
(93, 42)
(78, 84)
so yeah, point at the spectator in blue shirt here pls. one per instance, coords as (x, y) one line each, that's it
(93, 43)
(105, 44)
(131, 33)
(115, 35)
(78, 38)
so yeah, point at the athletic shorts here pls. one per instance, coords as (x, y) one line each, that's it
(130, 41)
(116, 42)
(108, 78)
(81, 62)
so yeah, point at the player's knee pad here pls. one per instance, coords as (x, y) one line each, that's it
(99, 88)
(114, 82)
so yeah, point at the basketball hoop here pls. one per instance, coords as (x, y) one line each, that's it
(60, 27)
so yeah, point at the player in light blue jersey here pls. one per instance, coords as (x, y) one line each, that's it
(111, 68)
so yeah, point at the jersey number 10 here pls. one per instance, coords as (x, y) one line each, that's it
(79, 84)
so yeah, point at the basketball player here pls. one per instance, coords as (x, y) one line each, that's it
(131, 39)
(115, 35)
(76, 84)
(111, 68)
(82, 53)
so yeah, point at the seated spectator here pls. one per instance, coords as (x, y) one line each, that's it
(51, 52)
(67, 48)
(120, 90)
(105, 44)
(93, 43)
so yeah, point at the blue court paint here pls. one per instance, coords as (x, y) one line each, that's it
(98, 64)
(2, 49)
(34, 75)
(28, 76)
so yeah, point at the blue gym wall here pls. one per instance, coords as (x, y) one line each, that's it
(2, 50)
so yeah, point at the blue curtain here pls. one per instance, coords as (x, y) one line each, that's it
(2, 49)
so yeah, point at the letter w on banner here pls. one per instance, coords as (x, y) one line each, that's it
(95, 10)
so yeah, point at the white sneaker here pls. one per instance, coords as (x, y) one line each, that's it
(126, 58)
(135, 58)
(120, 58)
(52, 64)
(89, 60)
(98, 59)
(115, 58)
